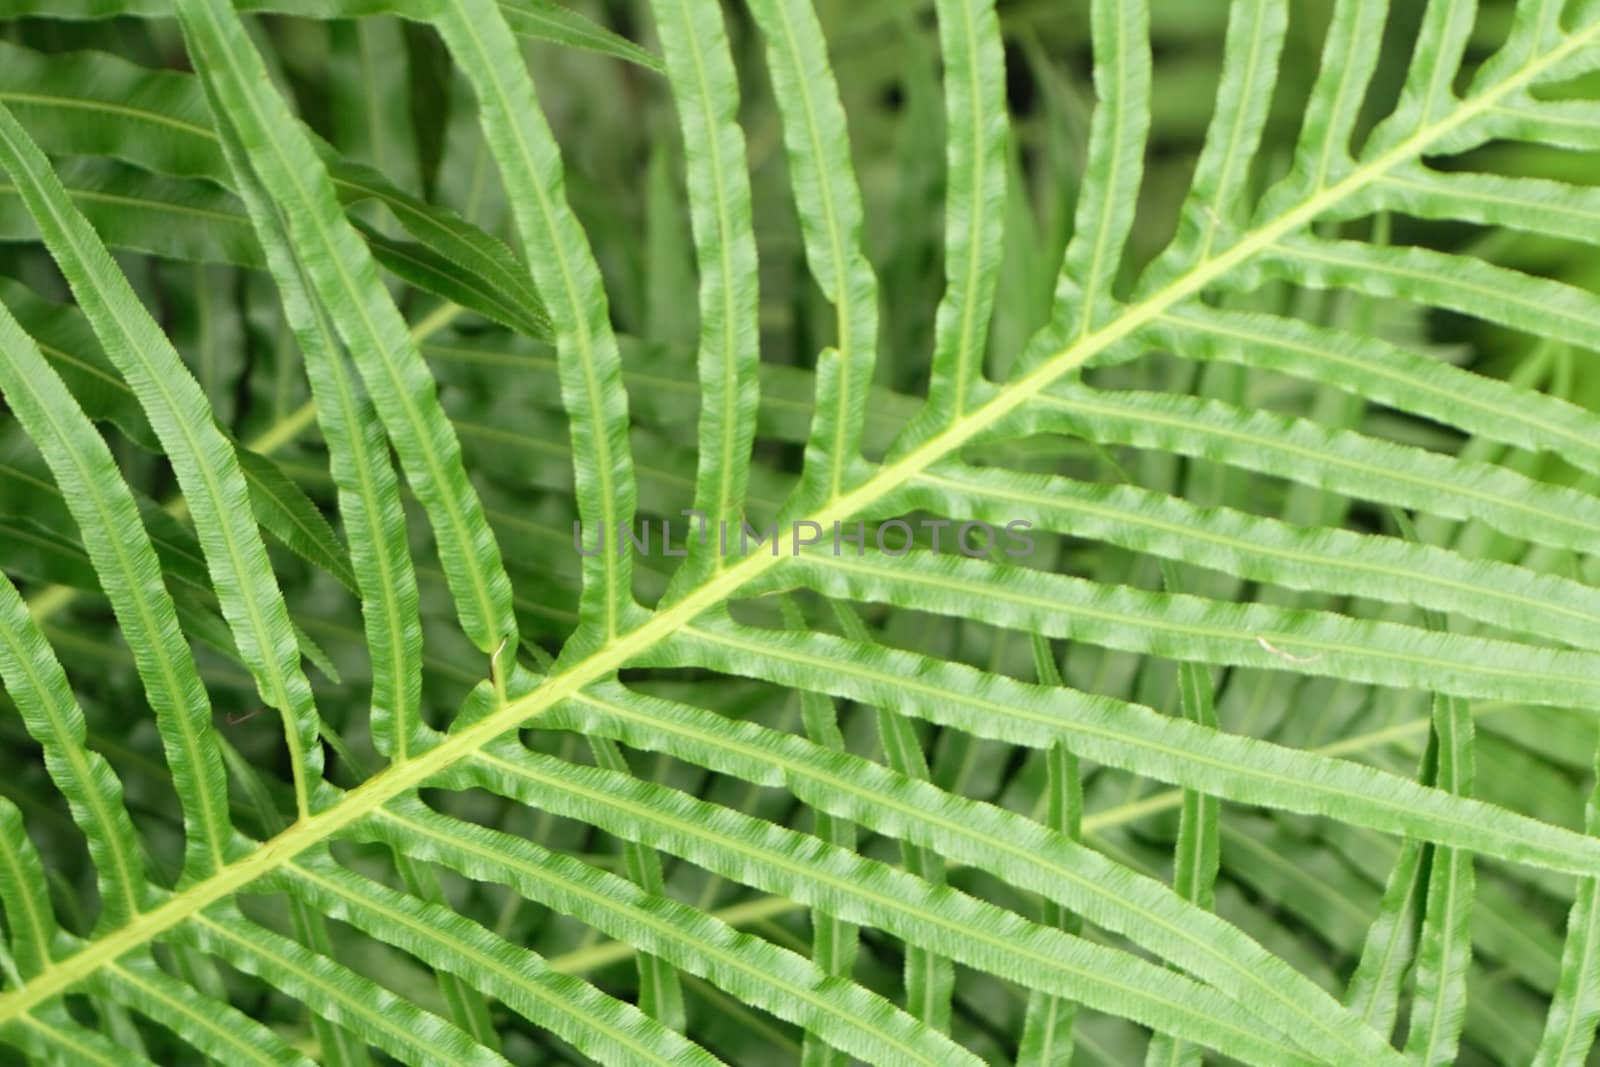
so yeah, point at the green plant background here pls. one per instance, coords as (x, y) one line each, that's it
(1273, 319)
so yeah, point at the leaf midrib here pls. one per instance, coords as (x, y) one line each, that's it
(400, 777)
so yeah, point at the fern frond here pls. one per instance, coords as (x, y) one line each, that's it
(1270, 550)
(1309, 452)
(956, 828)
(1199, 413)
(1206, 631)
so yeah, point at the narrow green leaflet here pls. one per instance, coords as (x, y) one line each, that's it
(54, 1036)
(1387, 952)
(1537, 306)
(829, 202)
(379, 1017)
(1534, 205)
(428, 270)
(929, 979)
(1439, 1004)
(1269, 550)
(1215, 207)
(340, 1046)
(1125, 735)
(835, 943)
(564, 269)
(975, 196)
(1573, 124)
(609, 1030)
(1428, 93)
(1310, 453)
(706, 88)
(129, 571)
(1535, 34)
(341, 273)
(1201, 630)
(1569, 1030)
(369, 496)
(1444, 951)
(1024, 852)
(30, 920)
(660, 991)
(175, 218)
(98, 104)
(948, 922)
(1047, 1029)
(1349, 56)
(222, 1032)
(755, 970)
(468, 1007)
(35, 682)
(206, 466)
(283, 510)
(1386, 373)
(1115, 163)
(1196, 858)
(483, 272)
